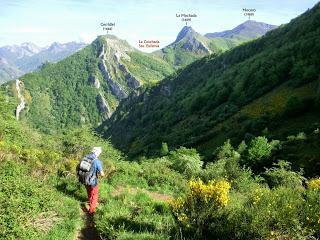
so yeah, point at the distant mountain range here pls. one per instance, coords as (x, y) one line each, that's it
(86, 87)
(19, 59)
(190, 45)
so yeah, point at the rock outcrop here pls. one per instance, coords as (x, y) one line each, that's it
(22, 104)
(103, 107)
(94, 81)
(114, 87)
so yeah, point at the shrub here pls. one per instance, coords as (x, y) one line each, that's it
(164, 149)
(196, 211)
(259, 148)
(314, 183)
(281, 175)
(186, 161)
(242, 147)
(312, 208)
(299, 136)
(258, 151)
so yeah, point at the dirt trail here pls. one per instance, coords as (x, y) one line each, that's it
(89, 231)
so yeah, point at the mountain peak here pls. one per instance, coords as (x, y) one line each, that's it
(186, 32)
(257, 25)
(249, 28)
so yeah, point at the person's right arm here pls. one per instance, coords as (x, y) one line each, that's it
(99, 168)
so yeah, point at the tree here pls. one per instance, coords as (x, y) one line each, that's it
(258, 150)
(186, 161)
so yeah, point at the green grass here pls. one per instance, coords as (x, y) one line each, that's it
(148, 68)
(31, 208)
(134, 216)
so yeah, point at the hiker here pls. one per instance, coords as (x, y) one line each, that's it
(88, 171)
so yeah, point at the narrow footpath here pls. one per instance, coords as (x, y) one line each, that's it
(88, 231)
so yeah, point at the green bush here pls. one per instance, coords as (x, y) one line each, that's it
(258, 151)
(164, 149)
(186, 161)
(281, 175)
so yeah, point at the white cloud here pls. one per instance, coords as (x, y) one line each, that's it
(87, 37)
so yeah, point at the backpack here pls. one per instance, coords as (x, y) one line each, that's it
(85, 171)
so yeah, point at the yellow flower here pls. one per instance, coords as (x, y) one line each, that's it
(182, 217)
(201, 196)
(314, 183)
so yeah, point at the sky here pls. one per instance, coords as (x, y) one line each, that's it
(45, 21)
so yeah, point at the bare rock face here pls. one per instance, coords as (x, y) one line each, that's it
(195, 45)
(110, 55)
(193, 42)
(115, 88)
(94, 81)
(22, 104)
(103, 107)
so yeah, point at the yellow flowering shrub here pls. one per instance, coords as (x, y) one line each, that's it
(314, 183)
(201, 202)
(258, 194)
(216, 192)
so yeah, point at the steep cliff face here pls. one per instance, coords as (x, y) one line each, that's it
(103, 107)
(120, 80)
(22, 102)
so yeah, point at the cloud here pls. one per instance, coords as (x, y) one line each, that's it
(87, 37)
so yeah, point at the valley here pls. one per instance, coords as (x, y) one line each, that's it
(214, 136)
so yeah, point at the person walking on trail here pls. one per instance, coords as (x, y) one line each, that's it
(88, 171)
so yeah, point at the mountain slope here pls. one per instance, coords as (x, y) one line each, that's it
(191, 108)
(86, 87)
(248, 30)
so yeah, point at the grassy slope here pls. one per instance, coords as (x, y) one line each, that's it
(31, 206)
(185, 108)
(147, 68)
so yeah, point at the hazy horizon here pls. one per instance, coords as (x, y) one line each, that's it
(45, 22)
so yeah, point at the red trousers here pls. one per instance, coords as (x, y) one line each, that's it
(93, 193)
